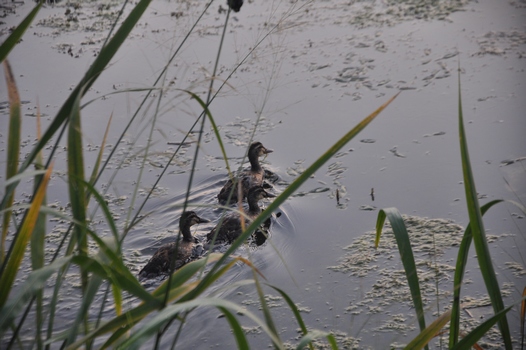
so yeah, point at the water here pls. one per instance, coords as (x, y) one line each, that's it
(311, 82)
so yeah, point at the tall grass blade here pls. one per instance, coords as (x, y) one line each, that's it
(96, 167)
(22, 238)
(32, 286)
(406, 254)
(83, 309)
(183, 274)
(239, 334)
(293, 187)
(77, 191)
(472, 337)
(113, 270)
(477, 227)
(131, 317)
(170, 311)
(214, 127)
(15, 36)
(295, 311)
(460, 268)
(13, 147)
(100, 63)
(429, 333)
(38, 242)
(266, 311)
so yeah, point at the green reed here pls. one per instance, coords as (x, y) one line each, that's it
(186, 288)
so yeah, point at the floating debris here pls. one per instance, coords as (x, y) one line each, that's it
(367, 140)
(511, 161)
(394, 151)
(367, 207)
(500, 42)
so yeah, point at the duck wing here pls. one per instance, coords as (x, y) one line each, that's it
(159, 263)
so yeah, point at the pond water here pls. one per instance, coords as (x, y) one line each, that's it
(325, 66)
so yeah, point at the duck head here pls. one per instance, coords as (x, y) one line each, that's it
(258, 149)
(189, 218)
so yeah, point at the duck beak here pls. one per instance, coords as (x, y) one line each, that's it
(267, 151)
(203, 221)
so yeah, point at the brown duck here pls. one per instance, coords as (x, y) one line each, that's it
(248, 178)
(160, 261)
(230, 228)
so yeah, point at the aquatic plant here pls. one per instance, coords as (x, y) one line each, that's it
(474, 233)
(95, 258)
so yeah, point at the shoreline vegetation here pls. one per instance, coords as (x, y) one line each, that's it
(185, 289)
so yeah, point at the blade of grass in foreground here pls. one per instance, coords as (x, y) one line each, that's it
(34, 283)
(77, 194)
(472, 337)
(406, 254)
(124, 322)
(151, 327)
(23, 236)
(266, 311)
(290, 190)
(477, 227)
(429, 333)
(15, 36)
(38, 243)
(100, 63)
(295, 311)
(13, 147)
(460, 268)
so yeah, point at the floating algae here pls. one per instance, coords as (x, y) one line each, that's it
(385, 287)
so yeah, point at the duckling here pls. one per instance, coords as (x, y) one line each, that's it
(249, 178)
(159, 263)
(230, 228)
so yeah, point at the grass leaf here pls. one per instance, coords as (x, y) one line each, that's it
(22, 238)
(460, 268)
(16, 35)
(429, 333)
(38, 244)
(295, 311)
(34, 283)
(103, 59)
(239, 334)
(156, 323)
(13, 148)
(214, 127)
(294, 186)
(406, 255)
(477, 227)
(472, 337)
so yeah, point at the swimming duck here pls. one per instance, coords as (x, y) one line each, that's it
(159, 263)
(230, 228)
(249, 178)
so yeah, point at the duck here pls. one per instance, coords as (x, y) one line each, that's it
(160, 262)
(249, 178)
(230, 227)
